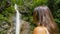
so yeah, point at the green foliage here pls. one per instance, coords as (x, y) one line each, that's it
(54, 5)
(55, 9)
(27, 7)
(6, 12)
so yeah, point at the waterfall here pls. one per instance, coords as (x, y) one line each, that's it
(18, 24)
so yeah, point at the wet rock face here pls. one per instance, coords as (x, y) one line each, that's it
(4, 26)
(25, 28)
(7, 28)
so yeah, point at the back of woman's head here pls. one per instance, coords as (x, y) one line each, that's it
(43, 17)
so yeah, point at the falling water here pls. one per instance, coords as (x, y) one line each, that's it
(17, 20)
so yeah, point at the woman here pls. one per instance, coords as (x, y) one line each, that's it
(44, 21)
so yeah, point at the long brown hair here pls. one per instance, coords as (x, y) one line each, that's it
(42, 15)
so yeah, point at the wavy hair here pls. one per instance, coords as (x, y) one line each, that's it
(42, 16)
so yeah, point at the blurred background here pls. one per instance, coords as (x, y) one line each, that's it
(26, 8)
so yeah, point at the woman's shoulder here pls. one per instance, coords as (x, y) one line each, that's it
(39, 30)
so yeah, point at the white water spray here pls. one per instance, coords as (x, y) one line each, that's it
(18, 24)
